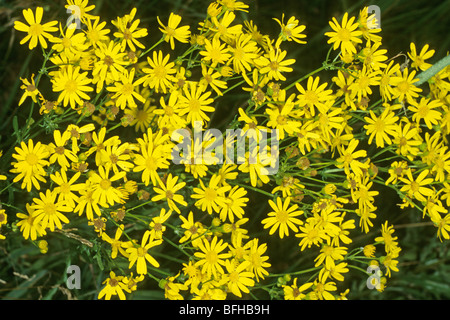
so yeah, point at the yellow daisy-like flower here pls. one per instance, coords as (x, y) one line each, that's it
(124, 90)
(172, 32)
(82, 9)
(73, 86)
(243, 53)
(215, 52)
(70, 43)
(156, 225)
(48, 211)
(139, 254)
(31, 160)
(194, 102)
(95, 32)
(104, 192)
(28, 225)
(129, 32)
(348, 159)
(314, 96)
(110, 65)
(418, 60)
(167, 190)
(381, 127)
(291, 31)
(273, 64)
(239, 279)
(417, 187)
(346, 35)
(160, 74)
(404, 88)
(282, 218)
(36, 31)
(294, 291)
(211, 197)
(114, 285)
(426, 110)
(168, 113)
(58, 152)
(66, 186)
(30, 90)
(211, 258)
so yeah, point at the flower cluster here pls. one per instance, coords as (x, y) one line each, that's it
(105, 159)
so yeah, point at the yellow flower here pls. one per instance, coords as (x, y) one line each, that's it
(329, 254)
(211, 258)
(160, 74)
(194, 231)
(124, 90)
(273, 64)
(404, 88)
(104, 192)
(215, 52)
(111, 63)
(28, 225)
(348, 158)
(243, 53)
(83, 9)
(211, 79)
(58, 151)
(238, 279)
(294, 292)
(425, 110)
(36, 31)
(65, 187)
(128, 31)
(156, 225)
(95, 32)
(211, 197)
(418, 60)
(223, 28)
(48, 211)
(390, 242)
(70, 43)
(167, 190)
(381, 127)
(139, 254)
(173, 32)
(443, 225)
(30, 90)
(114, 285)
(73, 86)
(30, 164)
(116, 244)
(417, 187)
(282, 218)
(279, 118)
(314, 96)
(194, 102)
(291, 31)
(346, 35)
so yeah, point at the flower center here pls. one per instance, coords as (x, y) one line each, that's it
(49, 208)
(32, 159)
(105, 184)
(282, 216)
(35, 30)
(71, 86)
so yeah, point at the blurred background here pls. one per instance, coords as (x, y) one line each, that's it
(424, 261)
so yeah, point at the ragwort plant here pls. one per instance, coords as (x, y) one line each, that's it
(99, 158)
